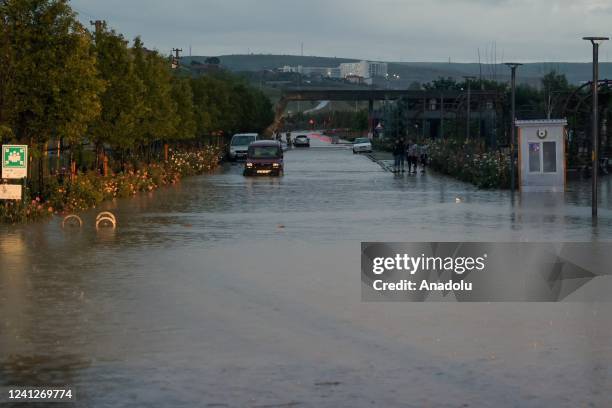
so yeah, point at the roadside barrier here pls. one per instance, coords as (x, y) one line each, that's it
(71, 219)
(106, 219)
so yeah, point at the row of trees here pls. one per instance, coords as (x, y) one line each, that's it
(531, 102)
(59, 81)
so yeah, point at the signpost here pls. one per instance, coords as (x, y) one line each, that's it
(14, 161)
(10, 192)
(14, 166)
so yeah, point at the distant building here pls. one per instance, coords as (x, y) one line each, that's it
(287, 69)
(333, 73)
(323, 72)
(355, 79)
(364, 69)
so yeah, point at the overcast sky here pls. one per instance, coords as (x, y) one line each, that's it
(390, 30)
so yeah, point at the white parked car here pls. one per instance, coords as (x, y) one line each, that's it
(301, 141)
(362, 145)
(239, 146)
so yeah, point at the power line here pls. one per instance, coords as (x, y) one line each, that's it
(81, 12)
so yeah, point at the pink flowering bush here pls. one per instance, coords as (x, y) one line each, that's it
(90, 189)
(12, 212)
(471, 163)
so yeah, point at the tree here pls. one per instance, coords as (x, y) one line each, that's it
(50, 72)
(528, 101)
(160, 117)
(210, 100)
(182, 95)
(415, 86)
(555, 81)
(442, 84)
(52, 69)
(122, 100)
(212, 61)
(225, 102)
(264, 111)
(360, 121)
(554, 85)
(7, 92)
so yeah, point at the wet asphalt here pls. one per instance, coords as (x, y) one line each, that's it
(225, 291)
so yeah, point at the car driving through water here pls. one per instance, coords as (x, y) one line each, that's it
(264, 157)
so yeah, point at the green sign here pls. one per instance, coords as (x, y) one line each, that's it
(14, 161)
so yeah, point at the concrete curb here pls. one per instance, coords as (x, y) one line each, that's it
(381, 163)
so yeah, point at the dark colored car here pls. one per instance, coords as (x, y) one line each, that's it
(301, 141)
(264, 158)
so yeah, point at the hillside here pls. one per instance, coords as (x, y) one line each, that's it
(256, 62)
(421, 72)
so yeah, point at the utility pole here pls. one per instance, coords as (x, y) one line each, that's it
(469, 103)
(595, 41)
(177, 52)
(442, 115)
(513, 66)
(424, 119)
(98, 24)
(176, 58)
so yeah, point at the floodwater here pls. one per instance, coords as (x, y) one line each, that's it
(232, 292)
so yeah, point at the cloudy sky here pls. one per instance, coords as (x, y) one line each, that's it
(391, 30)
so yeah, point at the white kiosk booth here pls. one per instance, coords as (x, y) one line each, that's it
(541, 160)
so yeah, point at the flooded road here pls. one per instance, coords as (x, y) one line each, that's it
(232, 292)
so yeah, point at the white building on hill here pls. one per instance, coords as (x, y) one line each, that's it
(364, 69)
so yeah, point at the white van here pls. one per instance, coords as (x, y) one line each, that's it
(239, 146)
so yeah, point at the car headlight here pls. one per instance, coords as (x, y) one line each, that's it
(275, 165)
(249, 165)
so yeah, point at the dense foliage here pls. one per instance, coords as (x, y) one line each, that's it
(87, 98)
(470, 162)
(59, 81)
(65, 195)
(483, 161)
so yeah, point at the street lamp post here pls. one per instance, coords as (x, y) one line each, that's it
(513, 66)
(595, 41)
(442, 115)
(469, 103)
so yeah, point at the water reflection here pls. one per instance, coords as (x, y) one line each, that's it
(34, 370)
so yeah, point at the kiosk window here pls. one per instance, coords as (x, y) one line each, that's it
(549, 155)
(534, 158)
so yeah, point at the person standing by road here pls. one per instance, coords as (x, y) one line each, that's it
(399, 151)
(413, 152)
(423, 156)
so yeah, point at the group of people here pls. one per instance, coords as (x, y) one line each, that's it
(412, 153)
(279, 137)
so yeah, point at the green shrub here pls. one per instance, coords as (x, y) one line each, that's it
(90, 189)
(470, 162)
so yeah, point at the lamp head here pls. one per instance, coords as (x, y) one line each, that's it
(596, 40)
(513, 64)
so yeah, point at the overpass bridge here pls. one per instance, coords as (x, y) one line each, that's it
(429, 106)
